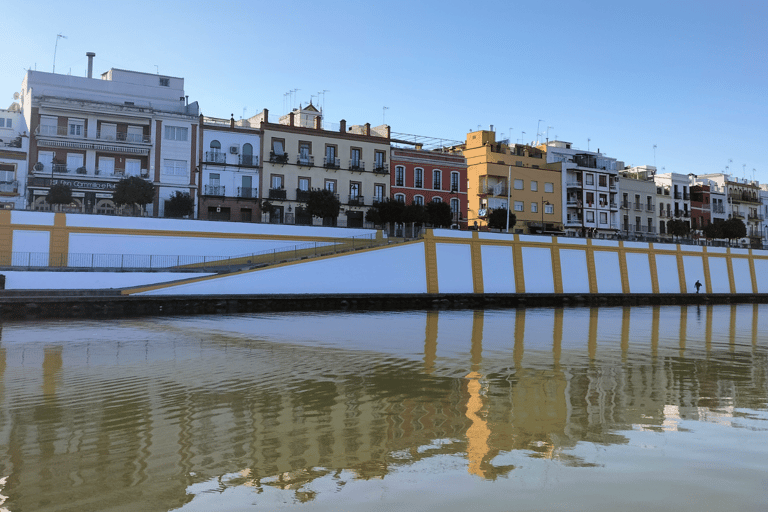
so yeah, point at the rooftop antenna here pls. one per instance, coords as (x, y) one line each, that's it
(537, 130)
(157, 69)
(295, 96)
(753, 174)
(744, 171)
(56, 47)
(244, 110)
(654, 155)
(588, 141)
(384, 114)
(509, 141)
(322, 109)
(548, 127)
(522, 137)
(728, 167)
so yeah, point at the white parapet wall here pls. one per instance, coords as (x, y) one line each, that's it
(448, 261)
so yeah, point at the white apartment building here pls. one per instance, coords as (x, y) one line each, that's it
(590, 182)
(89, 133)
(673, 196)
(230, 155)
(637, 202)
(14, 146)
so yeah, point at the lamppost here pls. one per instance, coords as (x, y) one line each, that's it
(543, 207)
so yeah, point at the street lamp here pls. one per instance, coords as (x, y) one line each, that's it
(543, 207)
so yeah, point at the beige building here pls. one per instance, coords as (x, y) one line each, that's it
(497, 171)
(637, 202)
(300, 155)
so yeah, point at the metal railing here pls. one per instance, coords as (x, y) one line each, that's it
(277, 193)
(331, 162)
(356, 200)
(214, 190)
(247, 192)
(249, 160)
(9, 187)
(215, 157)
(308, 160)
(381, 167)
(356, 165)
(133, 138)
(189, 262)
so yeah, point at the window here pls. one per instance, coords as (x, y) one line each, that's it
(354, 190)
(418, 177)
(436, 179)
(214, 179)
(519, 184)
(590, 216)
(49, 125)
(603, 218)
(549, 187)
(45, 158)
(76, 128)
(400, 198)
(330, 185)
(534, 207)
(399, 176)
(304, 184)
(590, 179)
(330, 156)
(215, 146)
(133, 167)
(455, 182)
(175, 167)
(7, 123)
(437, 199)
(247, 156)
(106, 165)
(519, 206)
(602, 180)
(305, 150)
(549, 209)
(378, 193)
(454, 207)
(534, 186)
(418, 200)
(246, 189)
(7, 174)
(354, 158)
(135, 134)
(590, 199)
(108, 131)
(165, 82)
(379, 160)
(276, 181)
(74, 162)
(178, 133)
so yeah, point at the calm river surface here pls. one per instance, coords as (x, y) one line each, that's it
(642, 408)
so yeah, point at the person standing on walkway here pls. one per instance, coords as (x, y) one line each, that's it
(697, 285)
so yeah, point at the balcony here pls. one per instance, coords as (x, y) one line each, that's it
(355, 200)
(277, 193)
(573, 184)
(378, 199)
(302, 195)
(215, 157)
(247, 193)
(132, 138)
(573, 203)
(614, 186)
(381, 167)
(275, 158)
(9, 187)
(356, 165)
(573, 220)
(213, 190)
(755, 217)
(307, 160)
(331, 162)
(55, 131)
(495, 191)
(678, 195)
(686, 196)
(249, 160)
(119, 173)
(639, 207)
(718, 209)
(624, 205)
(738, 215)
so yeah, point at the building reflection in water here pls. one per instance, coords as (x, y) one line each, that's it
(100, 413)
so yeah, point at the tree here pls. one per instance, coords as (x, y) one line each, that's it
(323, 204)
(678, 228)
(414, 214)
(180, 204)
(712, 230)
(498, 219)
(59, 194)
(732, 229)
(134, 191)
(439, 214)
(386, 212)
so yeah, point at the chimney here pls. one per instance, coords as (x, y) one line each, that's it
(388, 132)
(368, 129)
(90, 56)
(232, 121)
(343, 126)
(318, 123)
(266, 116)
(290, 118)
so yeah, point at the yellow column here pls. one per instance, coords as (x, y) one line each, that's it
(6, 237)
(623, 268)
(705, 263)
(477, 263)
(430, 255)
(517, 253)
(654, 269)
(681, 270)
(591, 273)
(729, 264)
(752, 271)
(59, 241)
(557, 273)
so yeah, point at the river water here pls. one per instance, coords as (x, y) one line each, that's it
(642, 408)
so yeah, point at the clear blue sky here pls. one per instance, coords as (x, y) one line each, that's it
(689, 77)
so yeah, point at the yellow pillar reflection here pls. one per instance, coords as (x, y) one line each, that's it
(708, 339)
(683, 328)
(478, 432)
(52, 363)
(430, 342)
(592, 342)
(655, 320)
(754, 324)
(732, 330)
(625, 312)
(558, 338)
(517, 354)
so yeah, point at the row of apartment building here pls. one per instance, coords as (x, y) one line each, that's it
(90, 132)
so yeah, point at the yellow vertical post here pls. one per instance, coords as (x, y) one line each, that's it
(6, 238)
(59, 247)
(654, 269)
(623, 268)
(557, 273)
(681, 269)
(705, 264)
(731, 278)
(591, 271)
(752, 273)
(477, 263)
(430, 255)
(519, 349)
(517, 253)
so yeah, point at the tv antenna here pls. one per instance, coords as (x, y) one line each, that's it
(654, 155)
(548, 127)
(537, 130)
(384, 115)
(56, 47)
(522, 137)
(588, 141)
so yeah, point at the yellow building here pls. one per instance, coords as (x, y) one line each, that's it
(536, 187)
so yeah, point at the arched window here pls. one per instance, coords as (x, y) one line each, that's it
(400, 197)
(455, 182)
(248, 155)
(418, 177)
(437, 199)
(215, 155)
(399, 176)
(418, 200)
(215, 145)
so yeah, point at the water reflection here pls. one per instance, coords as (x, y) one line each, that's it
(155, 414)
